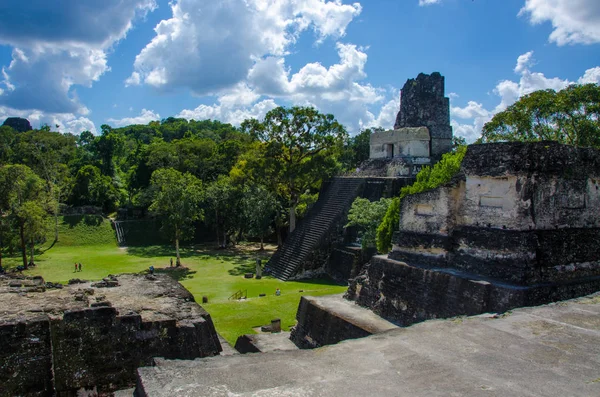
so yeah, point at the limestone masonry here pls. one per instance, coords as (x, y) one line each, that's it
(90, 338)
(519, 226)
(422, 132)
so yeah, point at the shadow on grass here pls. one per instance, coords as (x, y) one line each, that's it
(177, 273)
(242, 260)
(159, 250)
(89, 220)
(243, 268)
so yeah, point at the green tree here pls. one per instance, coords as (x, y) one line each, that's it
(570, 116)
(302, 148)
(357, 149)
(35, 225)
(367, 216)
(177, 198)
(260, 209)
(224, 198)
(90, 187)
(47, 153)
(428, 178)
(21, 195)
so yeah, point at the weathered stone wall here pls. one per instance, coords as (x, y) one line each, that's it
(422, 103)
(410, 293)
(78, 341)
(406, 142)
(519, 226)
(26, 358)
(319, 327)
(532, 219)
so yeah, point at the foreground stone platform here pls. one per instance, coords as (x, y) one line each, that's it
(91, 337)
(266, 342)
(327, 320)
(551, 350)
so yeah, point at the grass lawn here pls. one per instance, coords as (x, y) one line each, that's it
(216, 274)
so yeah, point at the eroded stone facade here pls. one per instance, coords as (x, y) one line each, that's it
(86, 340)
(518, 226)
(422, 132)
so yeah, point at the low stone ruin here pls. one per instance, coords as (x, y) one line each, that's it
(87, 339)
(519, 226)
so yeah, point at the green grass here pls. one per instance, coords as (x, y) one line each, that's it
(216, 274)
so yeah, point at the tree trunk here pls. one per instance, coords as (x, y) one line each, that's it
(178, 261)
(262, 247)
(224, 238)
(217, 227)
(23, 249)
(292, 218)
(32, 260)
(56, 225)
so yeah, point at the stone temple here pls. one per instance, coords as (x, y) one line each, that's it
(422, 132)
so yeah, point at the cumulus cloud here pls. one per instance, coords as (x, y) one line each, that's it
(228, 112)
(509, 92)
(573, 21)
(336, 89)
(591, 76)
(52, 55)
(66, 122)
(194, 49)
(428, 2)
(144, 117)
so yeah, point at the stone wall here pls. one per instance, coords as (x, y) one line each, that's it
(522, 213)
(318, 326)
(79, 342)
(405, 142)
(423, 104)
(518, 226)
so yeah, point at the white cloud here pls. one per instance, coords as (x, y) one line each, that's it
(509, 92)
(472, 110)
(591, 76)
(145, 117)
(524, 61)
(428, 2)
(52, 55)
(67, 122)
(228, 113)
(573, 21)
(386, 117)
(134, 79)
(194, 49)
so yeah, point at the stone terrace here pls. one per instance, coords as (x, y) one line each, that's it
(88, 336)
(551, 350)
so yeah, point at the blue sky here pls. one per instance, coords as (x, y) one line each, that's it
(118, 62)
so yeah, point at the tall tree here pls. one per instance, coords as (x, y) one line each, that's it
(20, 191)
(302, 147)
(224, 199)
(260, 208)
(570, 116)
(177, 198)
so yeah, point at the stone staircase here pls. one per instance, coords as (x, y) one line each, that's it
(315, 229)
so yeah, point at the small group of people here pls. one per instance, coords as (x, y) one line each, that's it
(77, 266)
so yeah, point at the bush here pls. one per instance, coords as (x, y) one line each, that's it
(429, 178)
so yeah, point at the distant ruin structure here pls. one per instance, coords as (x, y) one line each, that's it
(18, 124)
(421, 135)
(422, 132)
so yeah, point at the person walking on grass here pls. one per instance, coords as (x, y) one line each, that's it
(79, 266)
(75, 266)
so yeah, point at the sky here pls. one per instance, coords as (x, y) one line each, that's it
(79, 64)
